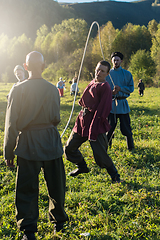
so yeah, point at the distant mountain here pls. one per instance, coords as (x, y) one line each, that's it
(21, 16)
(119, 13)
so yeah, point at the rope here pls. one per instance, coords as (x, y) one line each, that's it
(80, 69)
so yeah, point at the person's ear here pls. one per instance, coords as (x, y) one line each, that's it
(107, 74)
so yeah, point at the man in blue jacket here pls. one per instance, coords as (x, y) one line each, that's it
(121, 83)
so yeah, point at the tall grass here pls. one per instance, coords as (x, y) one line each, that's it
(98, 209)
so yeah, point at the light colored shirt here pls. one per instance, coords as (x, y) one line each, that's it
(32, 102)
(73, 87)
(60, 84)
(124, 80)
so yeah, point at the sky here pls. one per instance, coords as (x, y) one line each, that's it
(81, 1)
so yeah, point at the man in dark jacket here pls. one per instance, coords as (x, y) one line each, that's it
(141, 87)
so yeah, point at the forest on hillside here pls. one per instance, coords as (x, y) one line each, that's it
(60, 32)
(63, 47)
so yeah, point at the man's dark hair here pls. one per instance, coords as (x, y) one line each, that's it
(105, 63)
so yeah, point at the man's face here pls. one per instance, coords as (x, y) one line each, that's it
(20, 75)
(101, 72)
(116, 61)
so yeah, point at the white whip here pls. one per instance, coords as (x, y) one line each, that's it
(81, 70)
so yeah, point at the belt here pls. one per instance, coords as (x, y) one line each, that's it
(118, 98)
(85, 110)
(38, 127)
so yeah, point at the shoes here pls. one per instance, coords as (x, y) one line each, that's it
(58, 227)
(131, 149)
(29, 236)
(78, 171)
(116, 179)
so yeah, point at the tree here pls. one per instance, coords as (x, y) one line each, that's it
(42, 32)
(4, 42)
(142, 66)
(108, 34)
(130, 39)
(5, 77)
(155, 53)
(152, 27)
(76, 30)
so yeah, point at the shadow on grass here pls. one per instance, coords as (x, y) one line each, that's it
(146, 111)
(148, 158)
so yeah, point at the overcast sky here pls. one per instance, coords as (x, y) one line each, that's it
(80, 1)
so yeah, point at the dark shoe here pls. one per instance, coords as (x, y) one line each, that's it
(78, 171)
(130, 143)
(131, 150)
(58, 227)
(116, 179)
(29, 236)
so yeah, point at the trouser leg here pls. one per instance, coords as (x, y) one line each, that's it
(27, 191)
(126, 129)
(101, 157)
(54, 174)
(71, 149)
(112, 119)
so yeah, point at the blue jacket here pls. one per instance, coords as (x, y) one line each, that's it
(124, 79)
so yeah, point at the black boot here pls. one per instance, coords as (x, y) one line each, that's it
(130, 143)
(82, 168)
(112, 171)
(58, 227)
(29, 236)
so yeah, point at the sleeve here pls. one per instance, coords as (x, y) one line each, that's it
(101, 114)
(129, 86)
(56, 106)
(11, 131)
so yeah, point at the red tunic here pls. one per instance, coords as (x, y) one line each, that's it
(97, 97)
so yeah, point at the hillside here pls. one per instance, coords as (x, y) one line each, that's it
(21, 16)
(119, 13)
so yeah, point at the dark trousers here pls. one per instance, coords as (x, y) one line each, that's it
(125, 128)
(27, 191)
(140, 92)
(99, 148)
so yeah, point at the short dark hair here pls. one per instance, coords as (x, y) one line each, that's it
(105, 63)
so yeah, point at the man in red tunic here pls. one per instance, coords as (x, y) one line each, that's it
(92, 124)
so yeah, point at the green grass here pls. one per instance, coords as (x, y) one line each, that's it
(125, 211)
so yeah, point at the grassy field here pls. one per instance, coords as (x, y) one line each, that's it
(98, 209)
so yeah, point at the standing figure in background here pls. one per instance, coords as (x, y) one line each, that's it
(60, 86)
(141, 87)
(19, 73)
(74, 86)
(92, 124)
(121, 83)
(32, 116)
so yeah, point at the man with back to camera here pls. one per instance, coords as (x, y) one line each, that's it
(121, 89)
(32, 114)
(92, 125)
